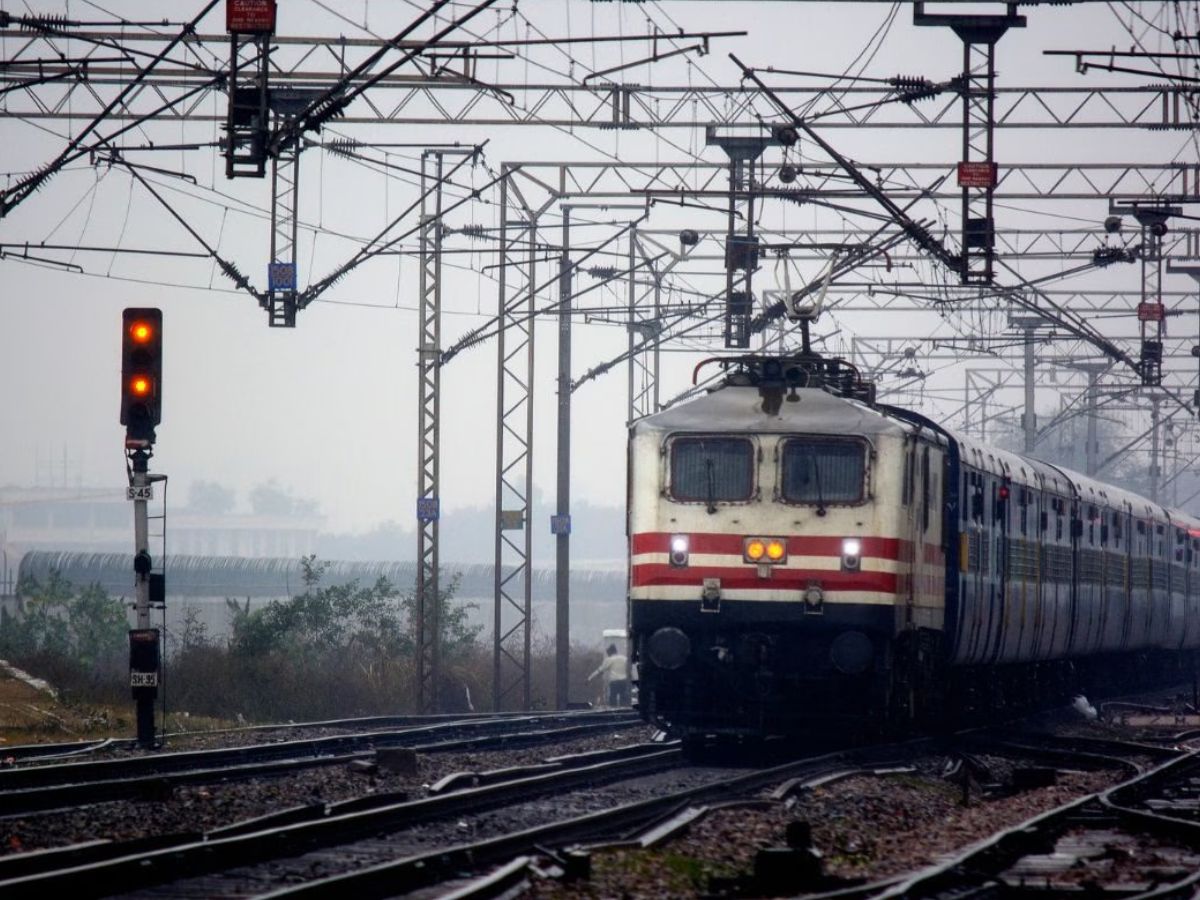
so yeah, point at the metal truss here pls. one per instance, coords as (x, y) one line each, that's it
(979, 97)
(285, 199)
(1017, 243)
(645, 320)
(899, 298)
(428, 599)
(43, 88)
(901, 181)
(514, 446)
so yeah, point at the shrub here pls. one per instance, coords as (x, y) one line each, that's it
(334, 651)
(75, 639)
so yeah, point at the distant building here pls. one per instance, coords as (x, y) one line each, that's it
(100, 520)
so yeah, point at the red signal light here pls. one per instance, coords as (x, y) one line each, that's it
(141, 332)
(1003, 492)
(140, 386)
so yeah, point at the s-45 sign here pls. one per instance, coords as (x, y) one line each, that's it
(144, 492)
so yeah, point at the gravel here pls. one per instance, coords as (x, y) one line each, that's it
(866, 827)
(197, 808)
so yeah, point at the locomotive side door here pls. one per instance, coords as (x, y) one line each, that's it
(909, 502)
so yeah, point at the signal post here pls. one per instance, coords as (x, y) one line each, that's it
(141, 410)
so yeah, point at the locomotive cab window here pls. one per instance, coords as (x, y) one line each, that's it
(823, 470)
(712, 469)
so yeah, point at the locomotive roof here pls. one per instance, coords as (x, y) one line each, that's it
(736, 408)
(740, 409)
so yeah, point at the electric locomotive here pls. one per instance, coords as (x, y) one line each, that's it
(801, 555)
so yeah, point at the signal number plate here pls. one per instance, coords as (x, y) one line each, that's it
(145, 492)
(143, 679)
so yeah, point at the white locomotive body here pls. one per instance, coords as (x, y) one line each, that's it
(797, 556)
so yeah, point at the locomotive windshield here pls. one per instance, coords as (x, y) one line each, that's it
(709, 469)
(821, 470)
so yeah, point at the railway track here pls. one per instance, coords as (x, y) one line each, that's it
(1138, 839)
(63, 750)
(384, 844)
(33, 788)
(104, 868)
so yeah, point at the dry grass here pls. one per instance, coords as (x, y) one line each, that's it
(30, 716)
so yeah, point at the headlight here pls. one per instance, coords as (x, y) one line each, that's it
(678, 554)
(755, 549)
(851, 554)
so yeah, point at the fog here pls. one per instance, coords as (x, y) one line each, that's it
(328, 409)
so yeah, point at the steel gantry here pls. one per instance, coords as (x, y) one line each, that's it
(518, 258)
(428, 589)
(46, 88)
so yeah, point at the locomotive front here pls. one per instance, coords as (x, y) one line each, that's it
(766, 573)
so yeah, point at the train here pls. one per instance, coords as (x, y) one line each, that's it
(802, 556)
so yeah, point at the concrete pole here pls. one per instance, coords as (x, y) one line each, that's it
(1091, 449)
(562, 563)
(1029, 419)
(1154, 466)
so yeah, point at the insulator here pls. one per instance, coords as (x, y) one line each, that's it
(474, 231)
(40, 23)
(603, 271)
(343, 146)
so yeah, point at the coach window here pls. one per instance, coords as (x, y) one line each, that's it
(823, 470)
(711, 469)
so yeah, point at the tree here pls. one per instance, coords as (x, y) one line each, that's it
(269, 498)
(73, 638)
(210, 498)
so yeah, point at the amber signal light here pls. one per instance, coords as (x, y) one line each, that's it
(141, 372)
(764, 550)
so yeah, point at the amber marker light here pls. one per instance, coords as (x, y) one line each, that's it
(776, 551)
(755, 549)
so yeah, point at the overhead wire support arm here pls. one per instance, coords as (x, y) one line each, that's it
(370, 250)
(229, 269)
(701, 49)
(331, 103)
(491, 327)
(918, 233)
(11, 198)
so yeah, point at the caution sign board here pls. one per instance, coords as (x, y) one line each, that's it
(250, 16)
(977, 174)
(1151, 312)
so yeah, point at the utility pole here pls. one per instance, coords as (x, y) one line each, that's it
(560, 524)
(1029, 325)
(1193, 271)
(1155, 470)
(1093, 370)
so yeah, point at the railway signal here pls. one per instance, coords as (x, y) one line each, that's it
(141, 410)
(141, 372)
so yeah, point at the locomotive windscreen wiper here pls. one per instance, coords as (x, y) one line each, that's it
(712, 490)
(817, 485)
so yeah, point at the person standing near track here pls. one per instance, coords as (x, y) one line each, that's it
(615, 669)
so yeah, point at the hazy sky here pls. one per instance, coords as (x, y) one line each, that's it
(329, 408)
